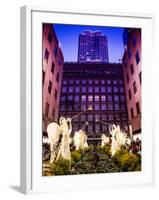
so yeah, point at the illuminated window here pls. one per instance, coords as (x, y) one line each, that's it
(64, 89)
(103, 106)
(103, 98)
(102, 89)
(77, 89)
(109, 89)
(83, 89)
(97, 106)
(96, 98)
(115, 89)
(116, 98)
(70, 89)
(109, 98)
(90, 98)
(96, 89)
(90, 89)
(83, 97)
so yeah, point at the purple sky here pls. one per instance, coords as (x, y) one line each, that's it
(68, 38)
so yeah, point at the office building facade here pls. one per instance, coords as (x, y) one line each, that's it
(132, 77)
(92, 47)
(99, 85)
(52, 70)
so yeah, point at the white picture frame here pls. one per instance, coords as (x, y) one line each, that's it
(31, 76)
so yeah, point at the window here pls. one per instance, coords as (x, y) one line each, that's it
(55, 51)
(90, 82)
(83, 107)
(70, 89)
(110, 117)
(47, 109)
(129, 53)
(104, 128)
(97, 117)
(43, 77)
(120, 82)
(134, 87)
(49, 37)
(96, 82)
(49, 87)
(137, 108)
(96, 97)
(63, 98)
(134, 40)
(109, 98)
(121, 89)
(46, 55)
(117, 117)
(76, 98)
(97, 107)
(97, 127)
(102, 82)
(64, 89)
(96, 89)
(83, 81)
(126, 64)
(83, 117)
(90, 117)
(140, 77)
(70, 98)
(90, 89)
(57, 77)
(116, 98)
(103, 98)
(90, 128)
(129, 94)
(90, 98)
(65, 82)
(102, 89)
(109, 89)
(110, 106)
(137, 57)
(108, 82)
(62, 107)
(83, 89)
(55, 94)
(123, 107)
(104, 117)
(77, 89)
(70, 82)
(103, 106)
(115, 89)
(115, 82)
(127, 76)
(122, 97)
(132, 69)
(52, 68)
(77, 82)
(116, 106)
(132, 113)
(83, 97)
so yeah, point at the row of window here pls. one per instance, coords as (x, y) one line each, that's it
(102, 117)
(137, 110)
(90, 98)
(96, 82)
(98, 128)
(91, 89)
(134, 90)
(46, 55)
(137, 57)
(95, 106)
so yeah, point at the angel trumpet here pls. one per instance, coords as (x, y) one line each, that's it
(97, 120)
(89, 108)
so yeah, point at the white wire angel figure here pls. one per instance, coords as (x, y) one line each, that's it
(119, 138)
(105, 140)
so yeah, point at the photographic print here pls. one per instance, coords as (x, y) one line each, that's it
(91, 99)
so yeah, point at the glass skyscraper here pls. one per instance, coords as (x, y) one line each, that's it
(92, 47)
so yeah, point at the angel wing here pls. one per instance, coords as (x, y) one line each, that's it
(53, 131)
